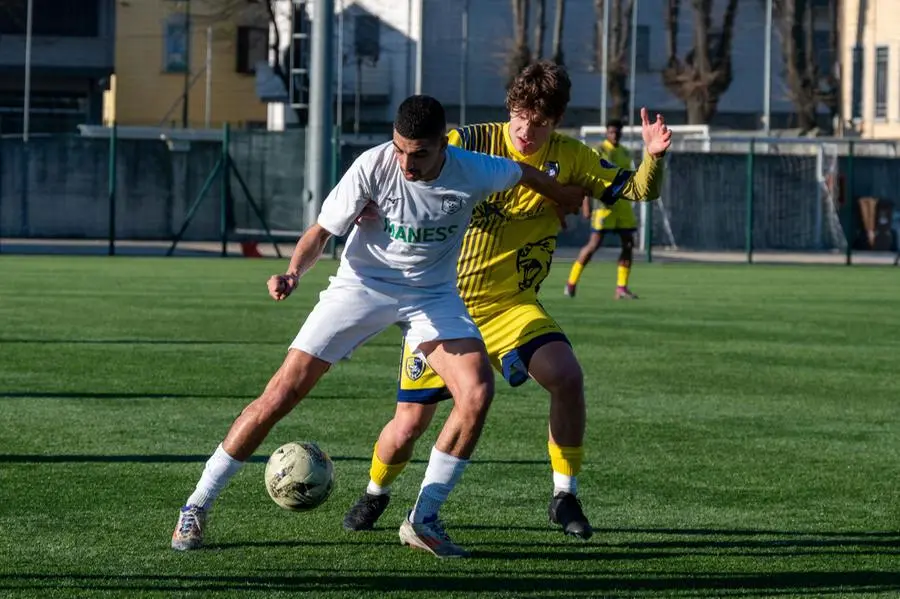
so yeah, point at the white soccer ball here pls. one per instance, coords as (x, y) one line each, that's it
(299, 476)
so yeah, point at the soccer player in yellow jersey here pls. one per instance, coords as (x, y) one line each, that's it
(506, 255)
(618, 218)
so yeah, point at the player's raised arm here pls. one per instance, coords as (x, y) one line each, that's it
(609, 183)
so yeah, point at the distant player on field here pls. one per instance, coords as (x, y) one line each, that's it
(399, 269)
(505, 257)
(618, 218)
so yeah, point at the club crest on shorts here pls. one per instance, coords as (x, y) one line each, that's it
(415, 367)
(451, 204)
(551, 168)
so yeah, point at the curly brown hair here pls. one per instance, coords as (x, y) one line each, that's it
(542, 90)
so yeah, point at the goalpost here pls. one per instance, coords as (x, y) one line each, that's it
(684, 137)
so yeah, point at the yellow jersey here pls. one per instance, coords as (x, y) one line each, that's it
(618, 155)
(508, 247)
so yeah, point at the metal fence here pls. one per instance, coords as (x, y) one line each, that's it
(720, 194)
(776, 194)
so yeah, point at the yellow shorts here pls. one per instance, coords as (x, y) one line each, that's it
(511, 336)
(618, 217)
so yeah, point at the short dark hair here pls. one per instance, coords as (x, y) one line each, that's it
(542, 89)
(420, 117)
(614, 123)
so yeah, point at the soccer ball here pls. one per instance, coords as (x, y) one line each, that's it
(299, 476)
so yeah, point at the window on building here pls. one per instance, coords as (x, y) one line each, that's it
(175, 44)
(856, 92)
(823, 53)
(881, 87)
(252, 47)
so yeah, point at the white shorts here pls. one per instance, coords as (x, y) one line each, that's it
(349, 313)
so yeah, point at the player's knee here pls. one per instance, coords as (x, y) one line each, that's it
(568, 381)
(475, 399)
(408, 428)
(627, 244)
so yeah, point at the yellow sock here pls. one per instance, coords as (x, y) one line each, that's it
(565, 460)
(575, 273)
(622, 275)
(384, 474)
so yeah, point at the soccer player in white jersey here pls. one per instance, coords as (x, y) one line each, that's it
(399, 269)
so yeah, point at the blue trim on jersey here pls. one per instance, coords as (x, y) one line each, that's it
(611, 193)
(422, 396)
(515, 363)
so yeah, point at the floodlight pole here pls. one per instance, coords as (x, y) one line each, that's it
(319, 150)
(604, 67)
(767, 81)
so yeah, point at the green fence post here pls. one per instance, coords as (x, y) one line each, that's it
(849, 201)
(111, 186)
(224, 191)
(648, 232)
(751, 156)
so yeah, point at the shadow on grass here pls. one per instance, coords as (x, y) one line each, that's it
(190, 458)
(704, 583)
(145, 395)
(138, 341)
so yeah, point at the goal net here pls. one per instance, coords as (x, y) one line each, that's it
(793, 189)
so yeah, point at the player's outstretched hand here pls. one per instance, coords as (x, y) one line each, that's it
(657, 137)
(281, 286)
(369, 212)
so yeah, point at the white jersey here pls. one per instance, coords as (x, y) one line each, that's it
(417, 240)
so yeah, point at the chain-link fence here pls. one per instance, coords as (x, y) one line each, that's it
(720, 194)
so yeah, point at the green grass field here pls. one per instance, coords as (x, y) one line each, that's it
(743, 439)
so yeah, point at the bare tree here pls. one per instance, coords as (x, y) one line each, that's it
(557, 53)
(521, 53)
(701, 77)
(618, 67)
(808, 85)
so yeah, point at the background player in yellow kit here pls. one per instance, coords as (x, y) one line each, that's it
(618, 218)
(506, 255)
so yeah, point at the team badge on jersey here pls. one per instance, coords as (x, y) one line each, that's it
(451, 204)
(415, 367)
(552, 168)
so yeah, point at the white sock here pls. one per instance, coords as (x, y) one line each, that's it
(563, 483)
(218, 471)
(442, 474)
(376, 489)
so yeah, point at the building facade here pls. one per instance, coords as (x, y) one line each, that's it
(155, 65)
(870, 55)
(71, 61)
(393, 48)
